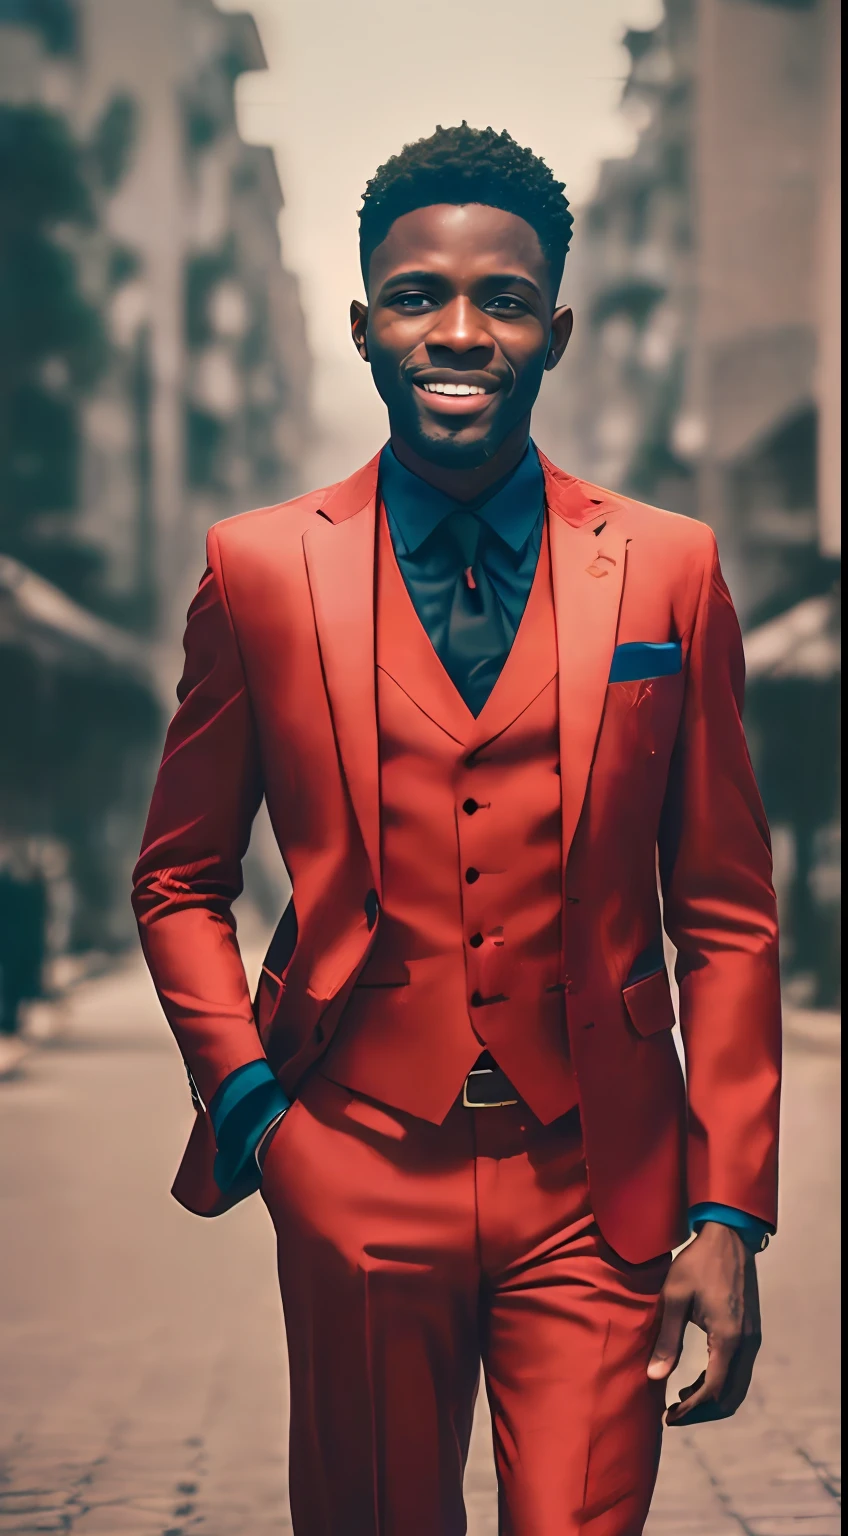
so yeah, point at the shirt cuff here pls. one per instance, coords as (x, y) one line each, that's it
(241, 1109)
(753, 1232)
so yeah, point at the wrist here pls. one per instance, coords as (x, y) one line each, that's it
(753, 1230)
(750, 1243)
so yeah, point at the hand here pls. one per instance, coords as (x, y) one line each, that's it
(712, 1283)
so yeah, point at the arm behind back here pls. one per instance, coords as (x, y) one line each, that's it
(207, 793)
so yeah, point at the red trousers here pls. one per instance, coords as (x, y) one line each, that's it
(408, 1253)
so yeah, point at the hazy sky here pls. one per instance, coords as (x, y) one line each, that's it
(350, 81)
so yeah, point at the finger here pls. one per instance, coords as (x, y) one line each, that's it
(707, 1413)
(686, 1396)
(742, 1366)
(739, 1376)
(675, 1315)
(686, 1392)
(735, 1391)
(709, 1388)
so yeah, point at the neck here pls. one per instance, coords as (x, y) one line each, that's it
(467, 484)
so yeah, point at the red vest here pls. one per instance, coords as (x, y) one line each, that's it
(469, 948)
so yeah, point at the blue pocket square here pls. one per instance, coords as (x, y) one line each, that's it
(640, 659)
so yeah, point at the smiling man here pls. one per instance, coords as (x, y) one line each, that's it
(495, 714)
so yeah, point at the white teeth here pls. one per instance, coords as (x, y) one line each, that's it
(454, 389)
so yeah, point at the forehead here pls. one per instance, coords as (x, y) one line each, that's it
(459, 242)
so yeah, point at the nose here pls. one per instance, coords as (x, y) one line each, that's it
(459, 328)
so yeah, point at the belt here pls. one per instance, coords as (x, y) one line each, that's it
(488, 1088)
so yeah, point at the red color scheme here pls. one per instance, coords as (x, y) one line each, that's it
(428, 999)
(405, 1251)
(279, 692)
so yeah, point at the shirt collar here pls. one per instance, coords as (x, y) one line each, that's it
(416, 508)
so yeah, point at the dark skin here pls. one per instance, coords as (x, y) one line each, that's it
(462, 298)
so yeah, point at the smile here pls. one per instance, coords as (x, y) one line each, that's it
(456, 399)
(454, 389)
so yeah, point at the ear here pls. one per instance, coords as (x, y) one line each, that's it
(359, 327)
(561, 327)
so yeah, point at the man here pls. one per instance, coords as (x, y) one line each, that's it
(485, 702)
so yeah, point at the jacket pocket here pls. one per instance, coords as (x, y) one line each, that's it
(379, 971)
(648, 1002)
(338, 963)
(272, 977)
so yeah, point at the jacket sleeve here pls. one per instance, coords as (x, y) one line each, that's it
(207, 793)
(720, 913)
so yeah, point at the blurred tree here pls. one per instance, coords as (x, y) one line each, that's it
(113, 140)
(53, 342)
(56, 20)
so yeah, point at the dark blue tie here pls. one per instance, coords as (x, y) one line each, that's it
(476, 642)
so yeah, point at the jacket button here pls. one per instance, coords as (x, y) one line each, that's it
(476, 999)
(471, 875)
(476, 940)
(372, 907)
(319, 1034)
(470, 806)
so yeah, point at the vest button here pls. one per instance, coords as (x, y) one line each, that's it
(372, 906)
(471, 875)
(470, 806)
(476, 999)
(476, 940)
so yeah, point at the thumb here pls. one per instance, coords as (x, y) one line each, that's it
(669, 1343)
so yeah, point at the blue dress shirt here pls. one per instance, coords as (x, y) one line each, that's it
(514, 510)
(250, 1099)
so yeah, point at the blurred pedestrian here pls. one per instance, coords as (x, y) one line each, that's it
(23, 935)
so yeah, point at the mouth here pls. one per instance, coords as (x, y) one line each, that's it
(454, 397)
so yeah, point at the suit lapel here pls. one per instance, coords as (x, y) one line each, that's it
(588, 568)
(405, 652)
(340, 561)
(532, 661)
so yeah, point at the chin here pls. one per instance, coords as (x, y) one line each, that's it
(454, 450)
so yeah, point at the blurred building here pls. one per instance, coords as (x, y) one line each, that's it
(705, 376)
(216, 367)
(201, 408)
(154, 378)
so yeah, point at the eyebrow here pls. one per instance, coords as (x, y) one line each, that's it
(494, 278)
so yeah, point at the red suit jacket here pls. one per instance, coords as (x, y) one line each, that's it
(278, 697)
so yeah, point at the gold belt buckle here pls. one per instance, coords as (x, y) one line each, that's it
(468, 1104)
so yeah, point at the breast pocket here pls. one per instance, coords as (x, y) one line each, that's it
(638, 660)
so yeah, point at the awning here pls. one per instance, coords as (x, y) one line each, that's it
(804, 642)
(38, 618)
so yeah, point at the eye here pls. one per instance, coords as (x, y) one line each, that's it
(507, 304)
(413, 303)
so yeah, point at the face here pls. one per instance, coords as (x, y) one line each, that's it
(459, 328)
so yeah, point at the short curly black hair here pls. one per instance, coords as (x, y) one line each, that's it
(468, 165)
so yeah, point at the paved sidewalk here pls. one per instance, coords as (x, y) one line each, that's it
(142, 1352)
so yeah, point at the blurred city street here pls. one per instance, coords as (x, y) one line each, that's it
(142, 1352)
(178, 248)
